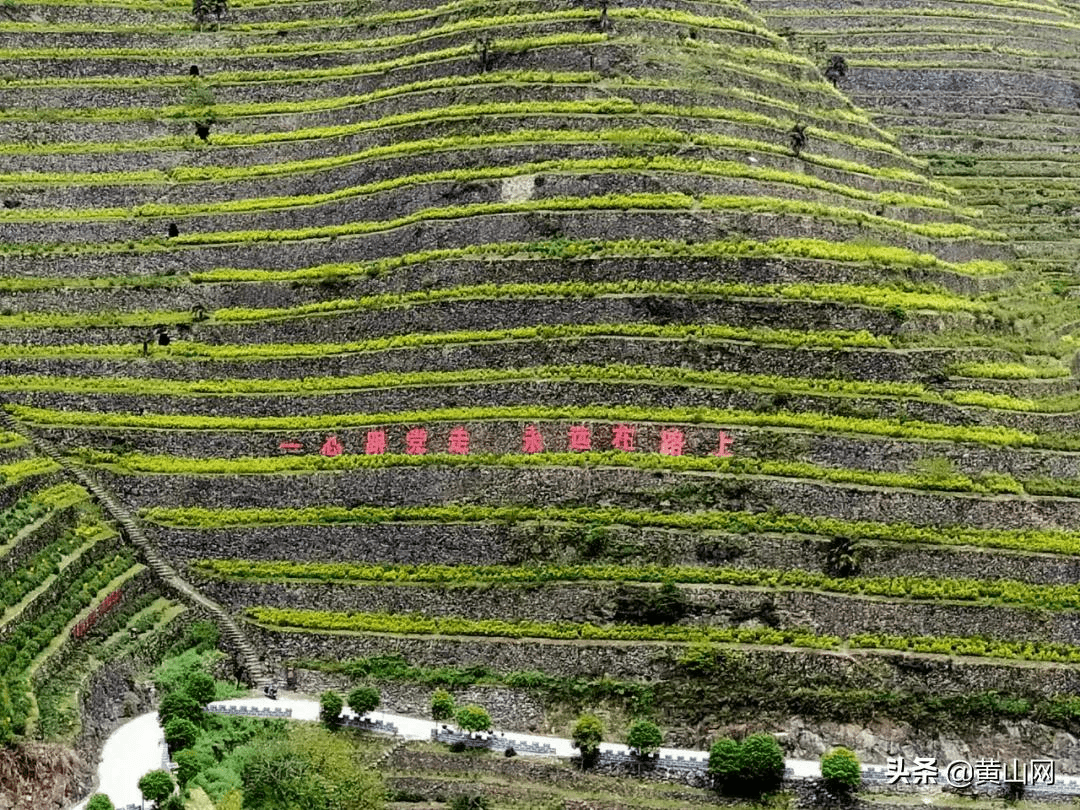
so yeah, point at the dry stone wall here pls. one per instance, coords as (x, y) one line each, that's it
(828, 614)
(901, 672)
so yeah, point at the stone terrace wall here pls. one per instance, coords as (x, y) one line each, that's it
(707, 605)
(422, 486)
(868, 669)
(487, 543)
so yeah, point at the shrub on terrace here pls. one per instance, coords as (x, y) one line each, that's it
(203, 9)
(668, 604)
(180, 733)
(836, 69)
(762, 762)
(179, 705)
(442, 705)
(840, 769)
(363, 699)
(156, 787)
(200, 636)
(473, 718)
(7, 714)
(797, 137)
(199, 687)
(752, 767)
(188, 763)
(312, 770)
(644, 737)
(725, 762)
(483, 49)
(99, 801)
(330, 705)
(587, 735)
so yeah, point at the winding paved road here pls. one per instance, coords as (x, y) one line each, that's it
(138, 746)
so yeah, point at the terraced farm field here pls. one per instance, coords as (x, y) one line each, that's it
(610, 356)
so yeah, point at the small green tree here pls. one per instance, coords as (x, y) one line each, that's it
(180, 733)
(99, 801)
(725, 762)
(330, 706)
(587, 735)
(364, 699)
(179, 704)
(473, 718)
(188, 763)
(442, 705)
(199, 687)
(644, 737)
(156, 786)
(762, 762)
(840, 768)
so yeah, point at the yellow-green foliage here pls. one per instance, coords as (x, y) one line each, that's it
(612, 106)
(9, 440)
(26, 468)
(1020, 540)
(922, 297)
(314, 620)
(632, 375)
(525, 628)
(264, 351)
(1008, 371)
(307, 386)
(1046, 597)
(611, 202)
(471, 24)
(813, 249)
(909, 429)
(647, 164)
(136, 463)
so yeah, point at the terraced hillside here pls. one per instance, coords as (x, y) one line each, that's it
(984, 91)
(609, 345)
(73, 598)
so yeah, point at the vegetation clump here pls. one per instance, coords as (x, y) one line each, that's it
(751, 767)
(840, 769)
(156, 787)
(473, 718)
(442, 706)
(330, 706)
(587, 735)
(363, 699)
(644, 737)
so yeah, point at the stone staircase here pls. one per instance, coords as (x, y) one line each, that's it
(235, 637)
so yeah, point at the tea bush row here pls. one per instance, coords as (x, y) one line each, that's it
(135, 463)
(732, 522)
(826, 423)
(646, 164)
(313, 620)
(998, 591)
